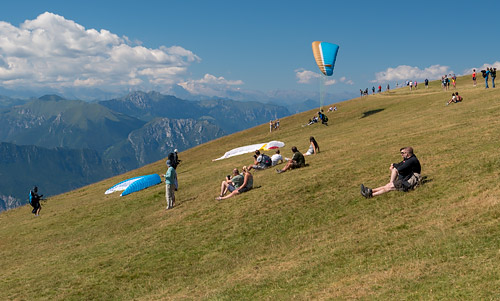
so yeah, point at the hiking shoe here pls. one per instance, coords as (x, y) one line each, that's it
(278, 170)
(369, 192)
(363, 191)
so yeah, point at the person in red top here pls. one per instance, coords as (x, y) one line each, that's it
(474, 77)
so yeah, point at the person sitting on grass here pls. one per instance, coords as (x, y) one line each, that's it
(455, 98)
(297, 161)
(276, 158)
(405, 175)
(246, 186)
(260, 161)
(313, 147)
(231, 184)
(452, 100)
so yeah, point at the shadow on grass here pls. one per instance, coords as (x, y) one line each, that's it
(425, 180)
(368, 113)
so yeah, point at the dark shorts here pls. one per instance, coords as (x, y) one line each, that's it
(473, 78)
(35, 206)
(231, 188)
(296, 165)
(244, 189)
(260, 166)
(405, 185)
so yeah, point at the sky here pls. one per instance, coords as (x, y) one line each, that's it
(253, 49)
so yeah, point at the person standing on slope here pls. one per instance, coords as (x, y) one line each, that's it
(486, 74)
(35, 201)
(493, 72)
(170, 178)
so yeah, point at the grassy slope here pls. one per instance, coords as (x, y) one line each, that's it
(303, 234)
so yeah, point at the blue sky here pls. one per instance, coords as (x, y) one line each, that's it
(222, 48)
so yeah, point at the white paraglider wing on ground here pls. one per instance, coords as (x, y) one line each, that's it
(251, 148)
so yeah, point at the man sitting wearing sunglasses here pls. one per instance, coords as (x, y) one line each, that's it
(405, 175)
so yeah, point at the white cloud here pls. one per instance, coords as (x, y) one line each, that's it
(330, 82)
(210, 85)
(54, 52)
(483, 67)
(306, 76)
(346, 81)
(404, 72)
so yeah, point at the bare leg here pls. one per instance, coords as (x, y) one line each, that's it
(235, 192)
(394, 174)
(383, 189)
(223, 188)
(287, 166)
(389, 186)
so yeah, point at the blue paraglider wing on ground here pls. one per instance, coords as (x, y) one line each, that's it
(135, 184)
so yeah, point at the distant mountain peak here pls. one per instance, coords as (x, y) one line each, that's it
(51, 97)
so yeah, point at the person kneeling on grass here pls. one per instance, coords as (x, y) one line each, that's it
(246, 186)
(405, 175)
(297, 161)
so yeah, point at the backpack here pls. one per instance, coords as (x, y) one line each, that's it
(266, 160)
(173, 160)
(31, 198)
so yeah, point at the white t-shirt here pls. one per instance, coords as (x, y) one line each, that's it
(275, 158)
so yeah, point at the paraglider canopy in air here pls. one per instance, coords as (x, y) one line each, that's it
(325, 55)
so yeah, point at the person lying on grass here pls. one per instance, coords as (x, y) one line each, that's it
(405, 175)
(246, 186)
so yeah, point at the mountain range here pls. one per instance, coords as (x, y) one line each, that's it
(107, 137)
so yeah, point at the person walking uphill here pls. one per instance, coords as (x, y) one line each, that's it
(170, 178)
(35, 201)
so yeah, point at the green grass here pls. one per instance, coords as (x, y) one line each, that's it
(305, 234)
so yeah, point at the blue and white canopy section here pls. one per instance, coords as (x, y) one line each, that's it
(325, 55)
(135, 184)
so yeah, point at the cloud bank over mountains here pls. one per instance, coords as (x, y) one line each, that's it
(404, 72)
(54, 52)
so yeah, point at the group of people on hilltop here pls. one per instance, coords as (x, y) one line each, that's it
(274, 125)
(445, 81)
(411, 84)
(242, 182)
(378, 90)
(489, 72)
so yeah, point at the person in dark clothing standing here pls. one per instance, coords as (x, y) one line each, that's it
(35, 201)
(493, 73)
(405, 175)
